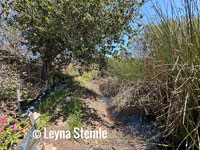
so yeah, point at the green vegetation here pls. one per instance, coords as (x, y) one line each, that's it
(163, 81)
(9, 137)
(10, 84)
(75, 113)
(175, 63)
(82, 74)
(49, 107)
(53, 105)
(73, 109)
(80, 30)
(50, 104)
(86, 77)
(129, 70)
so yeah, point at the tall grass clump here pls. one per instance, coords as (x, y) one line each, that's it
(174, 65)
(166, 84)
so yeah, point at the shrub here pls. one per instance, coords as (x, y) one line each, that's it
(86, 77)
(128, 69)
(10, 82)
(110, 87)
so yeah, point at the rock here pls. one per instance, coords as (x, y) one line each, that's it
(38, 147)
(59, 122)
(65, 101)
(36, 115)
(49, 147)
(54, 148)
(44, 143)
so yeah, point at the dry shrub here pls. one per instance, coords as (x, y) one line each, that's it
(142, 95)
(178, 88)
(110, 87)
(173, 100)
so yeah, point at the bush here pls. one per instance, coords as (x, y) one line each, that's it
(86, 77)
(130, 70)
(10, 82)
(110, 87)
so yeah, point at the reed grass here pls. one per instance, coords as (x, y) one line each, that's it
(174, 66)
(170, 88)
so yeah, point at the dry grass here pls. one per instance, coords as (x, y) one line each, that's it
(171, 87)
(110, 87)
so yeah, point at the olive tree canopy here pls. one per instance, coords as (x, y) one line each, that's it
(80, 29)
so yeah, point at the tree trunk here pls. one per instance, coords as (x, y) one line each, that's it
(46, 74)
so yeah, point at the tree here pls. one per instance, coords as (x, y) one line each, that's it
(10, 40)
(81, 29)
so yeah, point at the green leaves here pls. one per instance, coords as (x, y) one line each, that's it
(9, 137)
(54, 26)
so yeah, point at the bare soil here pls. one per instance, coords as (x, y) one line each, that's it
(97, 117)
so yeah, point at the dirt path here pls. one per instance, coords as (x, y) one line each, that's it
(97, 117)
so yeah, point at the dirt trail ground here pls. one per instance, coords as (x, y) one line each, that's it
(98, 117)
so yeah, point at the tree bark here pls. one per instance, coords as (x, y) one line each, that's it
(46, 73)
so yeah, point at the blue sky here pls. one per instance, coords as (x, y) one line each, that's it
(149, 12)
(164, 5)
